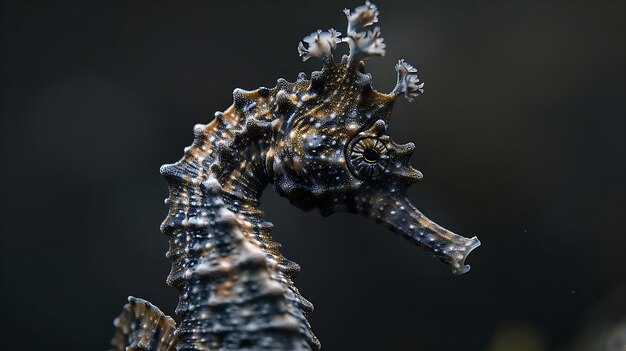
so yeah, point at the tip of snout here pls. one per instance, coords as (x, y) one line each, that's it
(462, 251)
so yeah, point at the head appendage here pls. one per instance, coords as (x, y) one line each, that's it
(408, 83)
(363, 45)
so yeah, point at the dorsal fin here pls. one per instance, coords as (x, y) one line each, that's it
(143, 327)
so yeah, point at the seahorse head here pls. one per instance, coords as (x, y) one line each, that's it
(332, 150)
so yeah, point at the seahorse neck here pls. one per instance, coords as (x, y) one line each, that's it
(234, 284)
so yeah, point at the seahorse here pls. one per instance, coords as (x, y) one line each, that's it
(323, 143)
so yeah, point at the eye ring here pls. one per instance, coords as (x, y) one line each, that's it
(368, 157)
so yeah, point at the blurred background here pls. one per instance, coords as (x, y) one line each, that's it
(520, 135)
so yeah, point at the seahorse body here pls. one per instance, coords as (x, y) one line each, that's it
(322, 143)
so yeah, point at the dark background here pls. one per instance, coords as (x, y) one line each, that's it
(520, 135)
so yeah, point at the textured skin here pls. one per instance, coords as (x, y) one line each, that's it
(323, 144)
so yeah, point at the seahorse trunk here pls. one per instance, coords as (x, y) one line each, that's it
(236, 289)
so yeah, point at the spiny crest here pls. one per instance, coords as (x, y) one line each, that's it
(363, 44)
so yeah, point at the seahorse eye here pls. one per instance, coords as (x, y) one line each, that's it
(368, 158)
